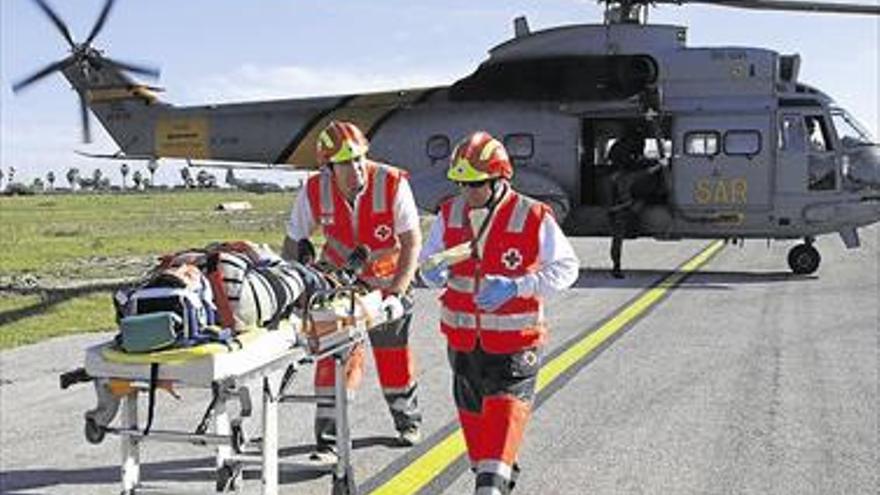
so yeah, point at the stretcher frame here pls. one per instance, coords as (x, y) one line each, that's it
(227, 374)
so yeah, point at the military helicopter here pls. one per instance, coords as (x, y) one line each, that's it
(746, 149)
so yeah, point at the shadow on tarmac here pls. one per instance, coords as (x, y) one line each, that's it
(50, 298)
(202, 470)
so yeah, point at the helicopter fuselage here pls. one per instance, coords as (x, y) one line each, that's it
(729, 129)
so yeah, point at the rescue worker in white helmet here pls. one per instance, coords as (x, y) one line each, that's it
(492, 310)
(366, 207)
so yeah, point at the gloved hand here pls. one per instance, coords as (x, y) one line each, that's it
(305, 252)
(495, 291)
(435, 277)
(393, 307)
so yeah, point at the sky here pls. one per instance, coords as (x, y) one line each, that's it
(215, 51)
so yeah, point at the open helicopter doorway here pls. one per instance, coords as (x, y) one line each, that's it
(650, 190)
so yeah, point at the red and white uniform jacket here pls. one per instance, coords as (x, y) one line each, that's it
(523, 242)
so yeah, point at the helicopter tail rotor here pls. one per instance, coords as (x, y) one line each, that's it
(82, 55)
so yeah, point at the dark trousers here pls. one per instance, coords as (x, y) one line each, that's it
(494, 394)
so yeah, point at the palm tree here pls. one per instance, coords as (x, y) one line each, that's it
(123, 169)
(73, 177)
(11, 175)
(138, 179)
(97, 175)
(206, 180)
(186, 176)
(50, 178)
(152, 166)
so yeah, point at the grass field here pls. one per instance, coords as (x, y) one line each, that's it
(60, 256)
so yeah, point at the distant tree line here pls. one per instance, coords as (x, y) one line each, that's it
(97, 181)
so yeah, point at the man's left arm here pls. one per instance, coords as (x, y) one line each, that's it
(559, 267)
(408, 228)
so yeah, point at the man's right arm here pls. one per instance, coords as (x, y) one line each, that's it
(434, 243)
(300, 226)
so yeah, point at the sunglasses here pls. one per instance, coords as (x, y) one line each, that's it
(473, 185)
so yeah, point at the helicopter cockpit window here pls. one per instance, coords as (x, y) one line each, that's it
(821, 165)
(742, 143)
(701, 143)
(438, 147)
(850, 132)
(818, 135)
(520, 146)
(791, 134)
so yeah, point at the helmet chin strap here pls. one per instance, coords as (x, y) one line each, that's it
(497, 192)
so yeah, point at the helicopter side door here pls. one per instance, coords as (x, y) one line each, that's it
(722, 162)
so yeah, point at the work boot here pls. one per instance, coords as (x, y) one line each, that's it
(617, 272)
(410, 435)
(324, 454)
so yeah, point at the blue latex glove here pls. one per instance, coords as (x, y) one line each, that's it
(495, 291)
(436, 277)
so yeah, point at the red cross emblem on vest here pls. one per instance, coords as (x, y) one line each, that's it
(382, 232)
(511, 259)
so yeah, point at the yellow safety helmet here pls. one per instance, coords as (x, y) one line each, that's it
(479, 157)
(341, 142)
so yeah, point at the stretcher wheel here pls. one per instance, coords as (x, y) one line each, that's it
(227, 477)
(344, 485)
(94, 432)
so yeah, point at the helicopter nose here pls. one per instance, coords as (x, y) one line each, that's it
(862, 167)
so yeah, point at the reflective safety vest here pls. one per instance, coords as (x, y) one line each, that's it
(511, 249)
(369, 222)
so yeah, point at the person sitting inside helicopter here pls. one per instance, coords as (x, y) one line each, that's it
(633, 183)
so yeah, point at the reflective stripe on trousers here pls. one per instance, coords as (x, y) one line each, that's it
(493, 393)
(395, 366)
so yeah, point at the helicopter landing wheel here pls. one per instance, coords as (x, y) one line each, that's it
(804, 259)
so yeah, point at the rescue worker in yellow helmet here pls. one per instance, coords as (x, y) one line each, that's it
(492, 310)
(363, 208)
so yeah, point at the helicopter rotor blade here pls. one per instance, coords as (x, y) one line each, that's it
(45, 71)
(99, 24)
(57, 21)
(789, 5)
(143, 70)
(84, 115)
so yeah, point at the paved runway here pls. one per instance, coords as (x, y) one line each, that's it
(737, 378)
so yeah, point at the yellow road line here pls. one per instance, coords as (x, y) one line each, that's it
(423, 470)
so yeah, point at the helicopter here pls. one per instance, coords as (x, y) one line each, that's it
(746, 149)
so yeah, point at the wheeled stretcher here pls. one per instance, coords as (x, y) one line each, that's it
(263, 360)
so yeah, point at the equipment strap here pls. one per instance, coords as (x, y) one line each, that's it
(202, 427)
(151, 401)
